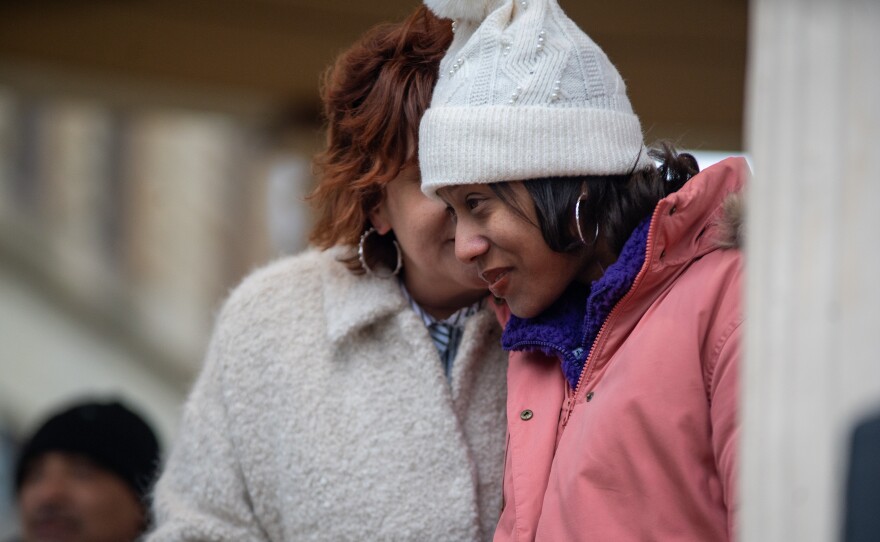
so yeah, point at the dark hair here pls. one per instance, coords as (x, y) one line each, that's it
(374, 97)
(617, 203)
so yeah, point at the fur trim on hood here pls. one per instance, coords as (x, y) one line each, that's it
(731, 225)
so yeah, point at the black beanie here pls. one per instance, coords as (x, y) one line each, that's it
(109, 434)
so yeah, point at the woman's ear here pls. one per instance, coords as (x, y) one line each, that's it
(379, 218)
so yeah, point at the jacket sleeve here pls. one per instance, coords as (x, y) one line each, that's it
(202, 494)
(724, 397)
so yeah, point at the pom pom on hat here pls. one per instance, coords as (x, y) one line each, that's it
(468, 10)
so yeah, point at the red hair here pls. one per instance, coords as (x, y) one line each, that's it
(374, 96)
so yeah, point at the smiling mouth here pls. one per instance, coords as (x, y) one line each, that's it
(496, 279)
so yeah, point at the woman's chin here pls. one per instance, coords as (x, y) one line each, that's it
(522, 310)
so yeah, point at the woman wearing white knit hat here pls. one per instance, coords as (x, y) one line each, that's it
(620, 278)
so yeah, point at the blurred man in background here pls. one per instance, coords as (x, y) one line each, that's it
(84, 474)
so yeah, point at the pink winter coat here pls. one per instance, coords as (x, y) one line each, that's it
(646, 447)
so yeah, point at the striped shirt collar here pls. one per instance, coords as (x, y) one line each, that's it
(446, 334)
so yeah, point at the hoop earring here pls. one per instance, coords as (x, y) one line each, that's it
(363, 259)
(577, 221)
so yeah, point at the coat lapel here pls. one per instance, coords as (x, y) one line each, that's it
(352, 302)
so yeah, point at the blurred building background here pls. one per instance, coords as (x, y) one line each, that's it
(152, 152)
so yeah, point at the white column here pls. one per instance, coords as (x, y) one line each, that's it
(75, 157)
(182, 168)
(813, 260)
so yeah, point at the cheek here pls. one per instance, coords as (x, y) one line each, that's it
(28, 500)
(106, 497)
(563, 270)
(111, 508)
(429, 223)
(550, 277)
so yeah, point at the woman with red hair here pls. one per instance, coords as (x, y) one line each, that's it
(356, 391)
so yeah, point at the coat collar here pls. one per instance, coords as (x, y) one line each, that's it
(701, 217)
(685, 226)
(352, 302)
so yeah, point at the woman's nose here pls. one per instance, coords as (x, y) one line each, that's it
(469, 244)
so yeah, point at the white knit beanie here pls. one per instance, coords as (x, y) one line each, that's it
(523, 94)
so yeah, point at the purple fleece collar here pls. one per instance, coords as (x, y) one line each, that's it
(568, 328)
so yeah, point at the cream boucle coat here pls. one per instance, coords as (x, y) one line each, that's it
(322, 413)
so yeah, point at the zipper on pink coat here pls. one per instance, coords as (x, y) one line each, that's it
(571, 399)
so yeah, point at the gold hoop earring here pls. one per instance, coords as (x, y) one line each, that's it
(363, 259)
(577, 221)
